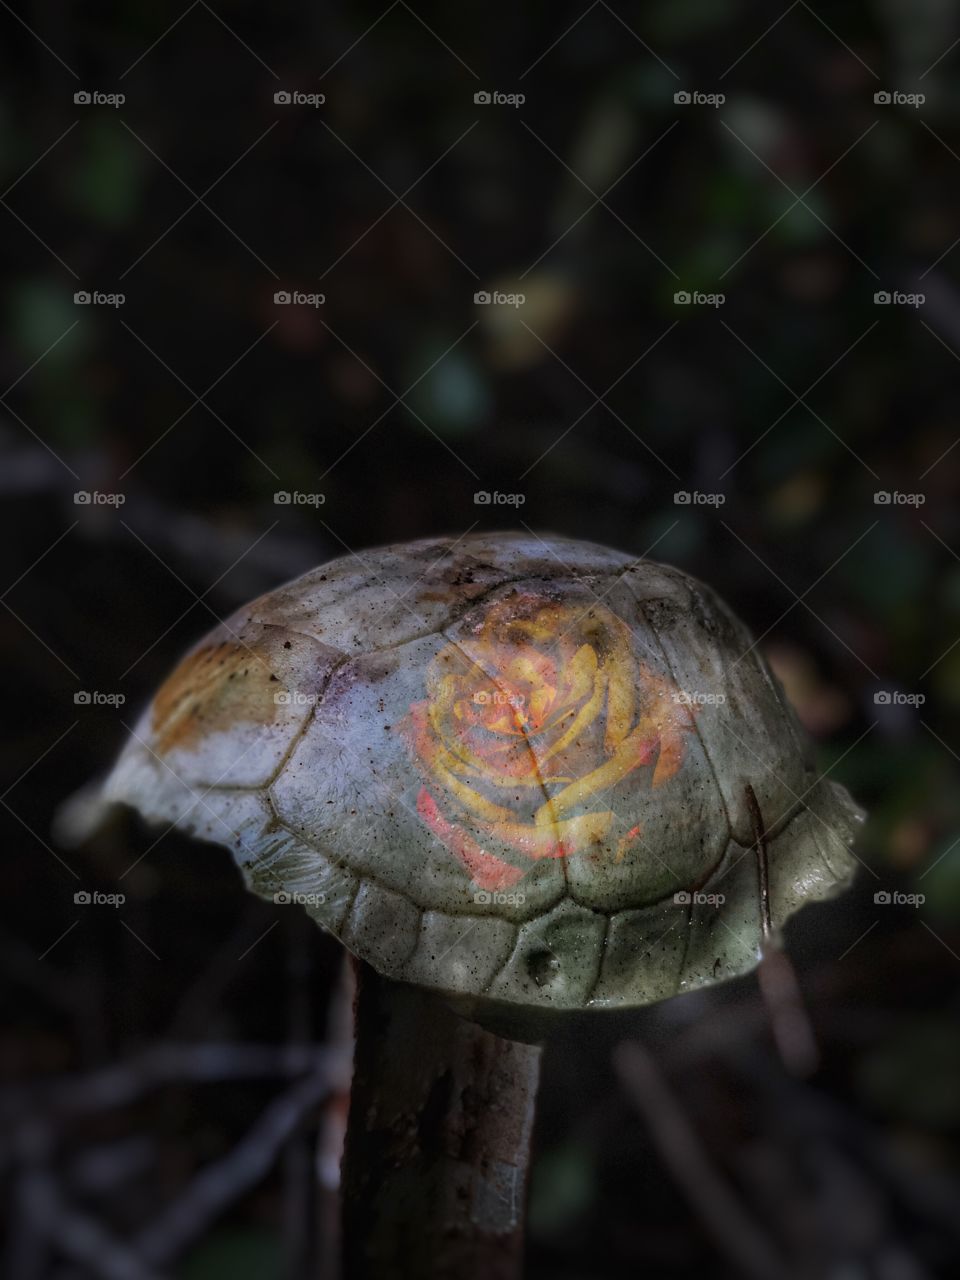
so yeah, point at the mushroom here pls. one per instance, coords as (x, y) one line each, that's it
(520, 779)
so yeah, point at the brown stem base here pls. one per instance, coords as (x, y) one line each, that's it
(438, 1141)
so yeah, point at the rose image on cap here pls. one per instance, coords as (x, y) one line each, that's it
(530, 770)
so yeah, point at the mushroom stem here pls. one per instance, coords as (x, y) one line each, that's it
(438, 1141)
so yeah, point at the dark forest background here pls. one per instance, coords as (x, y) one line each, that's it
(799, 198)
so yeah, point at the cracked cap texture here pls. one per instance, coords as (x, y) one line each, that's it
(508, 768)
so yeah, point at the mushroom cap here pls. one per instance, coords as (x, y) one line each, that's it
(508, 768)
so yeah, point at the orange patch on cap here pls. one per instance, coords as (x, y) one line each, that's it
(210, 691)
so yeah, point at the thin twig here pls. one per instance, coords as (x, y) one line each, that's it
(735, 1233)
(220, 1184)
(763, 866)
(779, 987)
(119, 1085)
(81, 1238)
